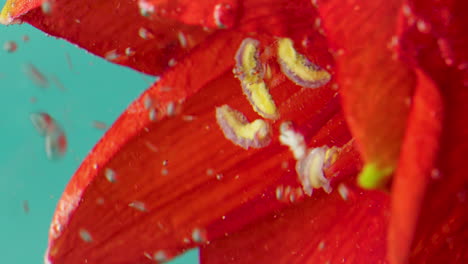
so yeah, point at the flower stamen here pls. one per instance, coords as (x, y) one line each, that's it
(238, 130)
(249, 70)
(298, 68)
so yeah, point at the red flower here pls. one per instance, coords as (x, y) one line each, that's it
(181, 167)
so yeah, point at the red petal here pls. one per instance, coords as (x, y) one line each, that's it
(434, 36)
(375, 85)
(324, 229)
(208, 13)
(115, 30)
(135, 209)
(414, 169)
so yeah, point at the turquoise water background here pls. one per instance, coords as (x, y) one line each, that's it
(94, 89)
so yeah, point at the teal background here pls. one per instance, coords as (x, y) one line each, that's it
(95, 90)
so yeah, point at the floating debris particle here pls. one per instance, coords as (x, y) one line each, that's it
(321, 245)
(85, 235)
(69, 61)
(147, 102)
(279, 192)
(298, 68)
(110, 175)
(99, 125)
(182, 39)
(57, 83)
(152, 115)
(188, 118)
(140, 206)
(146, 8)
(56, 145)
(100, 200)
(148, 255)
(151, 147)
(25, 38)
(239, 131)
(46, 7)
(164, 171)
(25, 206)
(111, 55)
(343, 191)
(145, 33)
(199, 235)
(55, 139)
(222, 15)
(43, 123)
(129, 51)
(219, 176)
(36, 76)
(160, 256)
(10, 46)
(170, 109)
(172, 62)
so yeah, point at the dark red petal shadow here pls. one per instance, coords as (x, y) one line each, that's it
(171, 166)
(434, 37)
(324, 229)
(374, 84)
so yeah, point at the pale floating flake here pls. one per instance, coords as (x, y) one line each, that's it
(198, 235)
(145, 33)
(85, 235)
(46, 7)
(160, 256)
(111, 55)
(110, 175)
(146, 8)
(140, 206)
(182, 39)
(343, 191)
(10, 46)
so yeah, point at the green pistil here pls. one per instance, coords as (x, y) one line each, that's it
(373, 177)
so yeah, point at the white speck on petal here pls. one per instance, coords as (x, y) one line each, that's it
(110, 175)
(343, 191)
(140, 206)
(85, 235)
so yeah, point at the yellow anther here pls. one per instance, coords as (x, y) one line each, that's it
(298, 68)
(260, 99)
(250, 72)
(237, 129)
(372, 177)
(250, 65)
